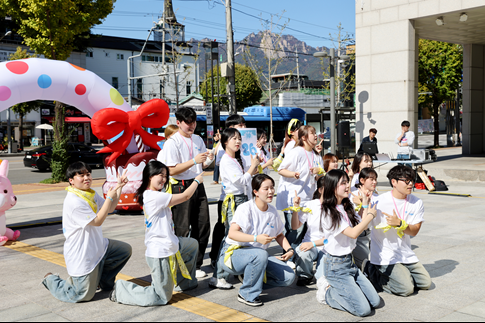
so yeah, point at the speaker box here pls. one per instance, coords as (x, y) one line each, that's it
(343, 134)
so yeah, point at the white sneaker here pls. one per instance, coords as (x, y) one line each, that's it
(291, 264)
(322, 286)
(219, 283)
(200, 274)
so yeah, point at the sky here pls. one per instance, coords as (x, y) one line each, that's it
(311, 21)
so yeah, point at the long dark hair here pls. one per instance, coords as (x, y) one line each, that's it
(329, 205)
(261, 133)
(228, 134)
(320, 183)
(359, 157)
(153, 168)
(366, 173)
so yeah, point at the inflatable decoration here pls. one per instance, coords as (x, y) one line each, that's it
(43, 79)
(7, 201)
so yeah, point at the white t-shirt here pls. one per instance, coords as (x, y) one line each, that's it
(253, 221)
(162, 156)
(179, 150)
(219, 153)
(354, 181)
(85, 245)
(338, 243)
(388, 248)
(408, 138)
(313, 221)
(298, 160)
(234, 179)
(265, 158)
(289, 146)
(160, 238)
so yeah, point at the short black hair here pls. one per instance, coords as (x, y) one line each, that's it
(234, 120)
(77, 168)
(187, 115)
(401, 171)
(405, 124)
(373, 130)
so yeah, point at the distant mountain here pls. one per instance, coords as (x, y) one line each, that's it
(288, 46)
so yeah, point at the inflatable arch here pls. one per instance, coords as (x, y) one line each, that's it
(43, 79)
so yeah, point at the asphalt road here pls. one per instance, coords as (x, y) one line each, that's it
(19, 174)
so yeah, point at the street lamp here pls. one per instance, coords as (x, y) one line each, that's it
(7, 34)
(333, 59)
(9, 138)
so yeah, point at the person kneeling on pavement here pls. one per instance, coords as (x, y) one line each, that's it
(91, 259)
(254, 226)
(172, 260)
(394, 267)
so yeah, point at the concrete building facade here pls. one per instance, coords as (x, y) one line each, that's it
(387, 35)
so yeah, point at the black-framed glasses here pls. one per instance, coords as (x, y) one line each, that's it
(407, 181)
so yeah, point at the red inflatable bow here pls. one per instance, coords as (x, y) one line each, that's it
(110, 122)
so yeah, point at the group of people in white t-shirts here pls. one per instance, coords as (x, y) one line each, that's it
(359, 240)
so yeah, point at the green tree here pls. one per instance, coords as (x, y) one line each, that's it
(23, 108)
(440, 74)
(51, 28)
(248, 91)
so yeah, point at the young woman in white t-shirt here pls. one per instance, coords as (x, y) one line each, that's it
(361, 160)
(366, 186)
(164, 248)
(236, 183)
(299, 172)
(255, 225)
(311, 248)
(344, 287)
(263, 153)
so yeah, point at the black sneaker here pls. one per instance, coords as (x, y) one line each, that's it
(255, 303)
(304, 281)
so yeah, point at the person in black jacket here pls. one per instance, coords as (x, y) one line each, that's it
(371, 138)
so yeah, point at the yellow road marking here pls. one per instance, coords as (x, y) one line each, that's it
(198, 306)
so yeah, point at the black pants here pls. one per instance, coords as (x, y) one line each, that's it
(217, 234)
(192, 217)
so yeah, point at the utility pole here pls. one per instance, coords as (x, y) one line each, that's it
(231, 84)
(332, 102)
(298, 69)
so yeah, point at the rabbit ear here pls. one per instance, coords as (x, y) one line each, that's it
(4, 168)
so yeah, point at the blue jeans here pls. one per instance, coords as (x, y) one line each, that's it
(402, 156)
(399, 279)
(304, 263)
(216, 173)
(254, 263)
(161, 290)
(349, 289)
(238, 199)
(294, 237)
(83, 289)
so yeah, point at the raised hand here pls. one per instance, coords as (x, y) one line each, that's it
(255, 161)
(202, 157)
(356, 199)
(296, 200)
(122, 180)
(217, 136)
(392, 220)
(319, 147)
(315, 170)
(200, 178)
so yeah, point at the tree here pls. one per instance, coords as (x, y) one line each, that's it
(51, 28)
(23, 108)
(248, 91)
(440, 74)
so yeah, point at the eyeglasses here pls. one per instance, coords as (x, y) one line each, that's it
(407, 181)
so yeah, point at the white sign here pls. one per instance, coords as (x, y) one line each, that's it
(208, 113)
(248, 148)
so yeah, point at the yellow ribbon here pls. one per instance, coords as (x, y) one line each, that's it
(292, 122)
(171, 182)
(358, 207)
(277, 162)
(400, 230)
(260, 169)
(298, 209)
(225, 206)
(173, 261)
(88, 196)
(228, 260)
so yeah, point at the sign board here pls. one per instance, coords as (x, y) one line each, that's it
(248, 148)
(208, 113)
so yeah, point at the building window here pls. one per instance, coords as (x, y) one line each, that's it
(106, 54)
(114, 82)
(89, 54)
(139, 89)
(120, 56)
(189, 87)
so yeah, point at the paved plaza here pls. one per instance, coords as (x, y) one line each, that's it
(451, 245)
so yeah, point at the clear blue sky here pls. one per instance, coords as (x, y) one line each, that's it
(310, 20)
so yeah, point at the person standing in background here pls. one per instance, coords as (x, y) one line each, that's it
(405, 141)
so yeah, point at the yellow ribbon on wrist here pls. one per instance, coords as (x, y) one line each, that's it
(321, 171)
(225, 206)
(358, 207)
(171, 182)
(277, 162)
(228, 258)
(400, 230)
(298, 209)
(173, 261)
(260, 169)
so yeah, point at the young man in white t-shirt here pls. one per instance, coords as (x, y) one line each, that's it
(91, 259)
(394, 267)
(186, 156)
(405, 141)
